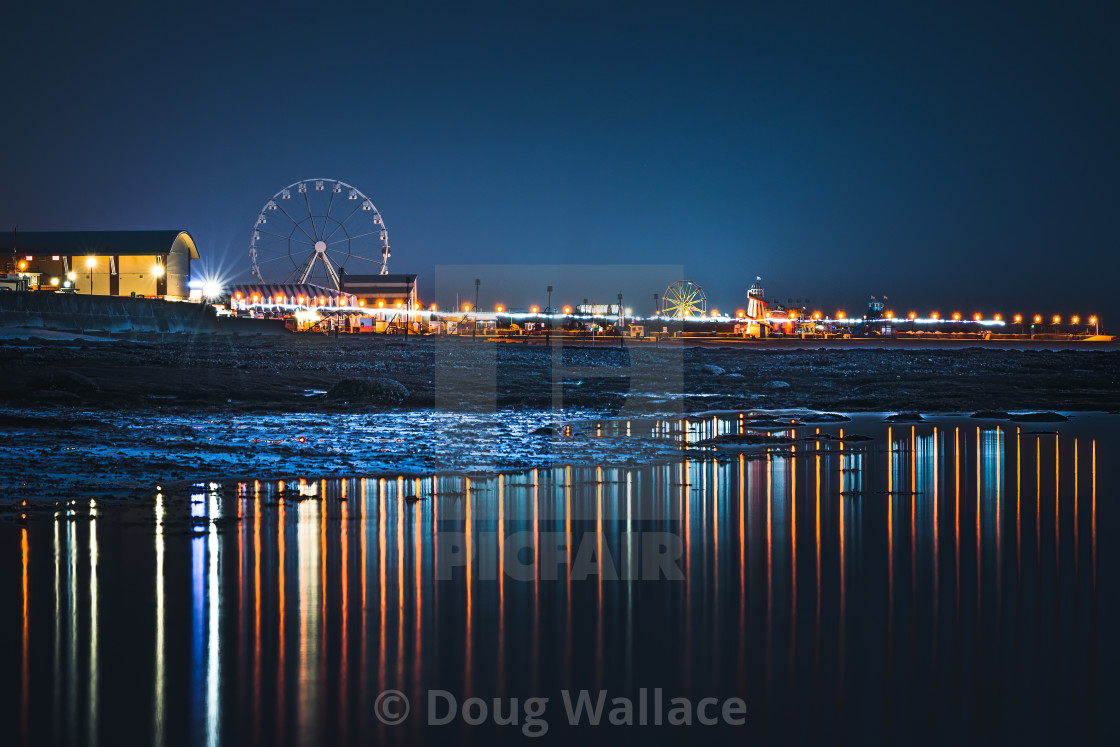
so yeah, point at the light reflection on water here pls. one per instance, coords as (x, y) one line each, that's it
(842, 588)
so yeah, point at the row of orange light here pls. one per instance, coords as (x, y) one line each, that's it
(956, 317)
(301, 300)
(258, 298)
(501, 309)
(91, 262)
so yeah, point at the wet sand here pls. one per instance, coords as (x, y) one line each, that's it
(114, 419)
(202, 373)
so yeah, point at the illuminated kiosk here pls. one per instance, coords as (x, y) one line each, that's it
(152, 264)
(304, 305)
(388, 290)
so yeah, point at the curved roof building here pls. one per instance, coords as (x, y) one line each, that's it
(107, 263)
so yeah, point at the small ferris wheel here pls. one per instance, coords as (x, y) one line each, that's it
(314, 230)
(684, 299)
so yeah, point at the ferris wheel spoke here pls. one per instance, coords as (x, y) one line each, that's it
(303, 271)
(342, 223)
(294, 223)
(352, 238)
(376, 262)
(310, 215)
(282, 237)
(365, 259)
(331, 271)
(330, 204)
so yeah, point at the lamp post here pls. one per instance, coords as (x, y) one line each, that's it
(548, 321)
(621, 320)
(474, 327)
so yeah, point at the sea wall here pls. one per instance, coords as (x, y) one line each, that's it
(73, 312)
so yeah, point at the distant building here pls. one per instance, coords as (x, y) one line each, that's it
(107, 263)
(381, 291)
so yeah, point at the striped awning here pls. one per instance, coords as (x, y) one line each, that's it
(292, 294)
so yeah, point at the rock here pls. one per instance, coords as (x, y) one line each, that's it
(744, 439)
(777, 385)
(543, 431)
(60, 380)
(1039, 417)
(904, 417)
(713, 369)
(825, 417)
(371, 391)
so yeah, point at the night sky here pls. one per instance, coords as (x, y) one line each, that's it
(951, 158)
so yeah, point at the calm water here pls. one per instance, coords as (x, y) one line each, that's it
(938, 582)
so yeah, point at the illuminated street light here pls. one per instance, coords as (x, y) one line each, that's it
(435, 308)
(499, 309)
(534, 309)
(1076, 320)
(1038, 318)
(1018, 318)
(466, 307)
(998, 318)
(912, 315)
(977, 317)
(474, 326)
(567, 309)
(1057, 319)
(956, 316)
(935, 316)
(839, 314)
(157, 270)
(91, 262)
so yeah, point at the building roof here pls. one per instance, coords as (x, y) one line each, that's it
(98, 243)
(388, 279)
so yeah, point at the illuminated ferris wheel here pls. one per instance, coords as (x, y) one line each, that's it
(684, 299)
(314, 230)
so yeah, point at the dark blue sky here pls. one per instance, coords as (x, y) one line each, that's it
(948, 157)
